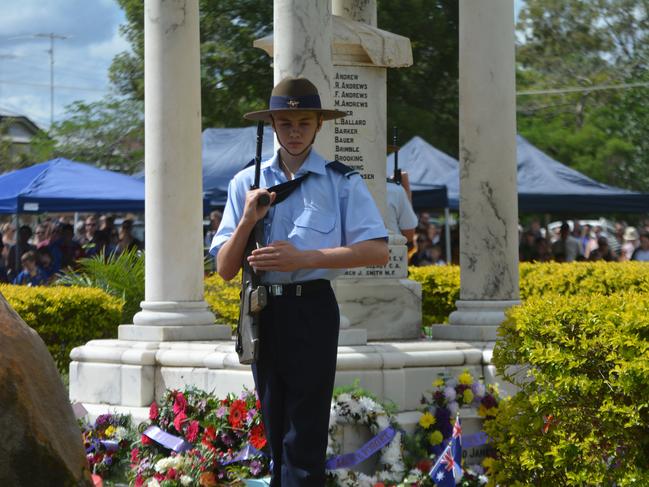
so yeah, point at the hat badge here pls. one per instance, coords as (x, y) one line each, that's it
(293, 103)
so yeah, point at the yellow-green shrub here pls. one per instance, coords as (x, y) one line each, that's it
(223, 298)
(441, 284)
(582, 414)
(65, 317)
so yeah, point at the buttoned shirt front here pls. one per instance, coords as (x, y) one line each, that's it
(327, 210)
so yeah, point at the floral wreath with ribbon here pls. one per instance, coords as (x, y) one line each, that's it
(358, 409)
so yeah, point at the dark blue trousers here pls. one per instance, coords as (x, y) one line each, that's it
(294, 377)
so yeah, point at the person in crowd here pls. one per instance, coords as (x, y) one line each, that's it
(17, 250)
(424, 222)
(79, 230)
(642, 252)
(603, 251)
(65, 250)
(401, 218)
(537, 229)
(527, 246)
(108, 228)
(566, 247)
(32, 274)
(327, 224)
(631, 241)
(92, 242)
(46, 263)
(586, 240)
(215, 220)
(8, 231)
(41, 235)
(436, 255)
(542, 250)
(422, 255)
(126, 239)
(433, 234)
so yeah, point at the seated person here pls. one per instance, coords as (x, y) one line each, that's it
(31, 275)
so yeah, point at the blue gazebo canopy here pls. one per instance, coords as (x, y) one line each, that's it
(61, 185)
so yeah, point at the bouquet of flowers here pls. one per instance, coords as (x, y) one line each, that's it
(435, 426)
(107, 442)
(223, 441)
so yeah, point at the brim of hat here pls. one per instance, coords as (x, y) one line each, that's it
(265, 115)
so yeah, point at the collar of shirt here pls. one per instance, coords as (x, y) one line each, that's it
(314, 162)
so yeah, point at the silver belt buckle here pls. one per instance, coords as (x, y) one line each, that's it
(298, 290)
(276, 289)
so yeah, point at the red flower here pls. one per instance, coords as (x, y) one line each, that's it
(171, 474)
(139, 481)
(257, 436)
(179, 420)
(153, 411)
(257, 405)
(146, 440)
(180, 403)
(192, 431)
(379, 484)
(238, 413)
(425, 465)
(209, 436)
(135, 452)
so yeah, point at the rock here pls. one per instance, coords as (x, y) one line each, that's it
(40, 441)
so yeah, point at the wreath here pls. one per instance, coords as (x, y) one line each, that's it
(357, 409)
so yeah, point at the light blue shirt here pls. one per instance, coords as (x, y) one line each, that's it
(327, 210)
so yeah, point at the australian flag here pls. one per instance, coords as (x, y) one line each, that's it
(448, 467)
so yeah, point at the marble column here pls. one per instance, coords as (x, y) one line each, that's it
(302, 47)
(488, 196)
(174, 307)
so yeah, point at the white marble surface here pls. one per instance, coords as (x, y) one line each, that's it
(488, 196)
(173, 173)
(174, 332)
(389, 309)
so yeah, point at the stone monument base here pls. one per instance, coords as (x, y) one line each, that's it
(389, 309)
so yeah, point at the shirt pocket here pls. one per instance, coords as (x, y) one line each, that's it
(314, 229)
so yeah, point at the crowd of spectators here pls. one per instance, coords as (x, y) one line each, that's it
(33, 256)
(573, 241)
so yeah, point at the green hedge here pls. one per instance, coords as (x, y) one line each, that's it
(441, 284)
(582, 414)
(223, 298)
(65, 317)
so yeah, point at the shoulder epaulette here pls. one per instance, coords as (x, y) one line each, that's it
(341, 168)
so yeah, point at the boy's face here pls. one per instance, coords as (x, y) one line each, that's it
(296, 130)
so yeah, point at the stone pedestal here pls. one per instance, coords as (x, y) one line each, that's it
(173, 307)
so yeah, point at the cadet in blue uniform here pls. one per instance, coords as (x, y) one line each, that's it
(326, 225)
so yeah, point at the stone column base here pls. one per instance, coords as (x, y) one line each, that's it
(166, 333)
(389, 309)
(474, 320)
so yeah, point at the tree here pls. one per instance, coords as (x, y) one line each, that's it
(235, 76)
(571, 43)
(108, 133)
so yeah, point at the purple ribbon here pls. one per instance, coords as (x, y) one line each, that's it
(348, 460)
(167, 440)
(247, 453)
(476, 439)
(110, 445)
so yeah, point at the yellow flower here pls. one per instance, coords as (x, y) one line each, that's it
(110, 431)
(438, 382)
(426, 420)
(435, 438)
(465, 378)
(488, 463)
(468, 396)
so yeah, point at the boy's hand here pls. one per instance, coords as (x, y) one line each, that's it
(253, 211)
(280, 256)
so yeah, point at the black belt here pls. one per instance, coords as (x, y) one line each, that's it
(297, 289)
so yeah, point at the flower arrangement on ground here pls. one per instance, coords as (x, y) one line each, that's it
(223, 441)
(433, 431)
(357, 407)
(107, 442)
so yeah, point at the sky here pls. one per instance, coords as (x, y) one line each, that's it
(81, 60)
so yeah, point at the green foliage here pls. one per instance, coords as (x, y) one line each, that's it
(223, 298)
(65, 317)
(441, 284)
(582, 414)
(121, 275)
(108, 133)
(235, 76)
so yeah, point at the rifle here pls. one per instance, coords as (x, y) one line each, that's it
(397, 171)
(253, 296)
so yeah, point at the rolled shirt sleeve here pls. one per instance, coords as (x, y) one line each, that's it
(360, 217)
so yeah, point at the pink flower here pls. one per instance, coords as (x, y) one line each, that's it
(146, 440)
(192, 431)
(134, 454)
(180, 403)
(179, 420)
(153, 411)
